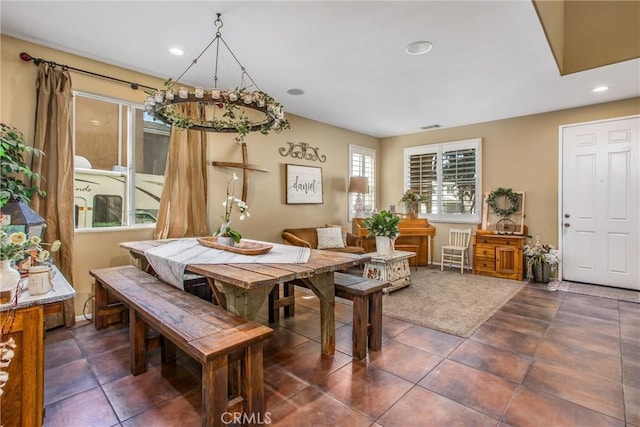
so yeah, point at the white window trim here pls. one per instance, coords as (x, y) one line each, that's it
(475, 143)
(130, 190)
(357, 149)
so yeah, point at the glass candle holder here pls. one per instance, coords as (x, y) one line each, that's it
(247, 99)
(215, 93)
(183, 93)
(158, 97)
(199, 92)
(233, 95)
(169, 95)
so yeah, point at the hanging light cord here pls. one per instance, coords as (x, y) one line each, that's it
(218, 38)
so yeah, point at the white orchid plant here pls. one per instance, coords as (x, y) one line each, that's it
(225, 229)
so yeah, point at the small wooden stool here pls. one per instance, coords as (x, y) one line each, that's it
(410, 248)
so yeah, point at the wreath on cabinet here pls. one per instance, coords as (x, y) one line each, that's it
(510, 195)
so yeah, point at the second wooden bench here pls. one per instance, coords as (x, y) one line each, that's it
(366, 295)
(206, 332)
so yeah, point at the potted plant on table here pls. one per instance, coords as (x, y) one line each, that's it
(226, 235)
(384, 226)
(541, 260)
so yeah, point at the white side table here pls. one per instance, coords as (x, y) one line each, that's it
(392, 268)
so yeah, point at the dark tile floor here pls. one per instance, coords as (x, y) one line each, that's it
(545, 359)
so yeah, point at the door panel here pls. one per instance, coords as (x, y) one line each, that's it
(601, 203)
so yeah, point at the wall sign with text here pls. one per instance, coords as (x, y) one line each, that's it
(304, 185)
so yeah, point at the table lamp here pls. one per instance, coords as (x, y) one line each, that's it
(359, 185)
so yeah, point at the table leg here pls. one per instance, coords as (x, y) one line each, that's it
(244, 302)
(323, 286)
(431, 244)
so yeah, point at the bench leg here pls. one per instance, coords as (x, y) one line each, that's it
(138, 337)
(214, 391)
(167, 351)
(360, 323)
(253, 383)
(375, 320)
(102, 296)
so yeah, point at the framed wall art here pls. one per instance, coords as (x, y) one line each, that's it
(304, 185)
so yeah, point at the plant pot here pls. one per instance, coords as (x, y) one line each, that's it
(384, 245)
(542, 272)
(9, 278)
(226, 241)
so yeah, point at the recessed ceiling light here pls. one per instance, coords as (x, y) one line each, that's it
(176, 51)
(295, 92)
(95, 122)
(601, 88)
(418, 48)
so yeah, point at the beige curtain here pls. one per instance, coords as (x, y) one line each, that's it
(183, 205)
(53, 136)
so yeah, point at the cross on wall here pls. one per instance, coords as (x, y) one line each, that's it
(245, 166)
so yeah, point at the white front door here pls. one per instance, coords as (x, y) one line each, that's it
(601, 203)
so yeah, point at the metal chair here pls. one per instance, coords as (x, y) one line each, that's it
(456, 250)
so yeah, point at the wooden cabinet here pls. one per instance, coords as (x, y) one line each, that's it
(498, 256)
(22, 400)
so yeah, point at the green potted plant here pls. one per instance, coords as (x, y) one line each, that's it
(14, 167)
(384, 226)
(541, 260)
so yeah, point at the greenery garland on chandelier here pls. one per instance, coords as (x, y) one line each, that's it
(512, 197)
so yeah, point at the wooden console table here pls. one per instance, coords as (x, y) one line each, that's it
(22, 400)
(413, 232)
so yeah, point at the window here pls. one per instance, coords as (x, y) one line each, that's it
(120, 158)
(362, 162)
(448, 177)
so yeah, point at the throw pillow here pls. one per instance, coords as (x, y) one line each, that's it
(329, 238)
(343, 229)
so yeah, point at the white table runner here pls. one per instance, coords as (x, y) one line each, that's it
(171, 259)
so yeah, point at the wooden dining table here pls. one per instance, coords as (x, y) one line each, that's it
(243, 288)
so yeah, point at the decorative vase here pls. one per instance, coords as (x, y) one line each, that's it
(226, 241)
(384, 245)
(40, 278)
(413, 210)
(542, 272)
(9, 278)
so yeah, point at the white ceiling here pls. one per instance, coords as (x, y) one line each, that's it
(490, 60)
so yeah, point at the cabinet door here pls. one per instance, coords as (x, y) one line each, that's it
(22, 399)
(508, 260)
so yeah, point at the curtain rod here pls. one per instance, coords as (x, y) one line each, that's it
(26, 57)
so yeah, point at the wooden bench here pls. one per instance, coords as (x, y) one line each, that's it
(214, 337)
(366, 295)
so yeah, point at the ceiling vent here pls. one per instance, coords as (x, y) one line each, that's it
(436, 126)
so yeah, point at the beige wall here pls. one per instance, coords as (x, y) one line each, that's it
(519, 153)
(266, 197)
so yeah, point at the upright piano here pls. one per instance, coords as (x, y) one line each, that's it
(413, 232)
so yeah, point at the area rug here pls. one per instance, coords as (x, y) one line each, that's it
(448, 301)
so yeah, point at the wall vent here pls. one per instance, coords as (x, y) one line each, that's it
(431, 126)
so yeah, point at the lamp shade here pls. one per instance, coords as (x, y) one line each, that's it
(18, 216)
(358, 184)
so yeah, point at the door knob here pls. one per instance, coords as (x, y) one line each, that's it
(567, 215)
(567, 225)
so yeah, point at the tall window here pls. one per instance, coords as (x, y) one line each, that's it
(448, 176)
(120, 157)
(362, 162)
